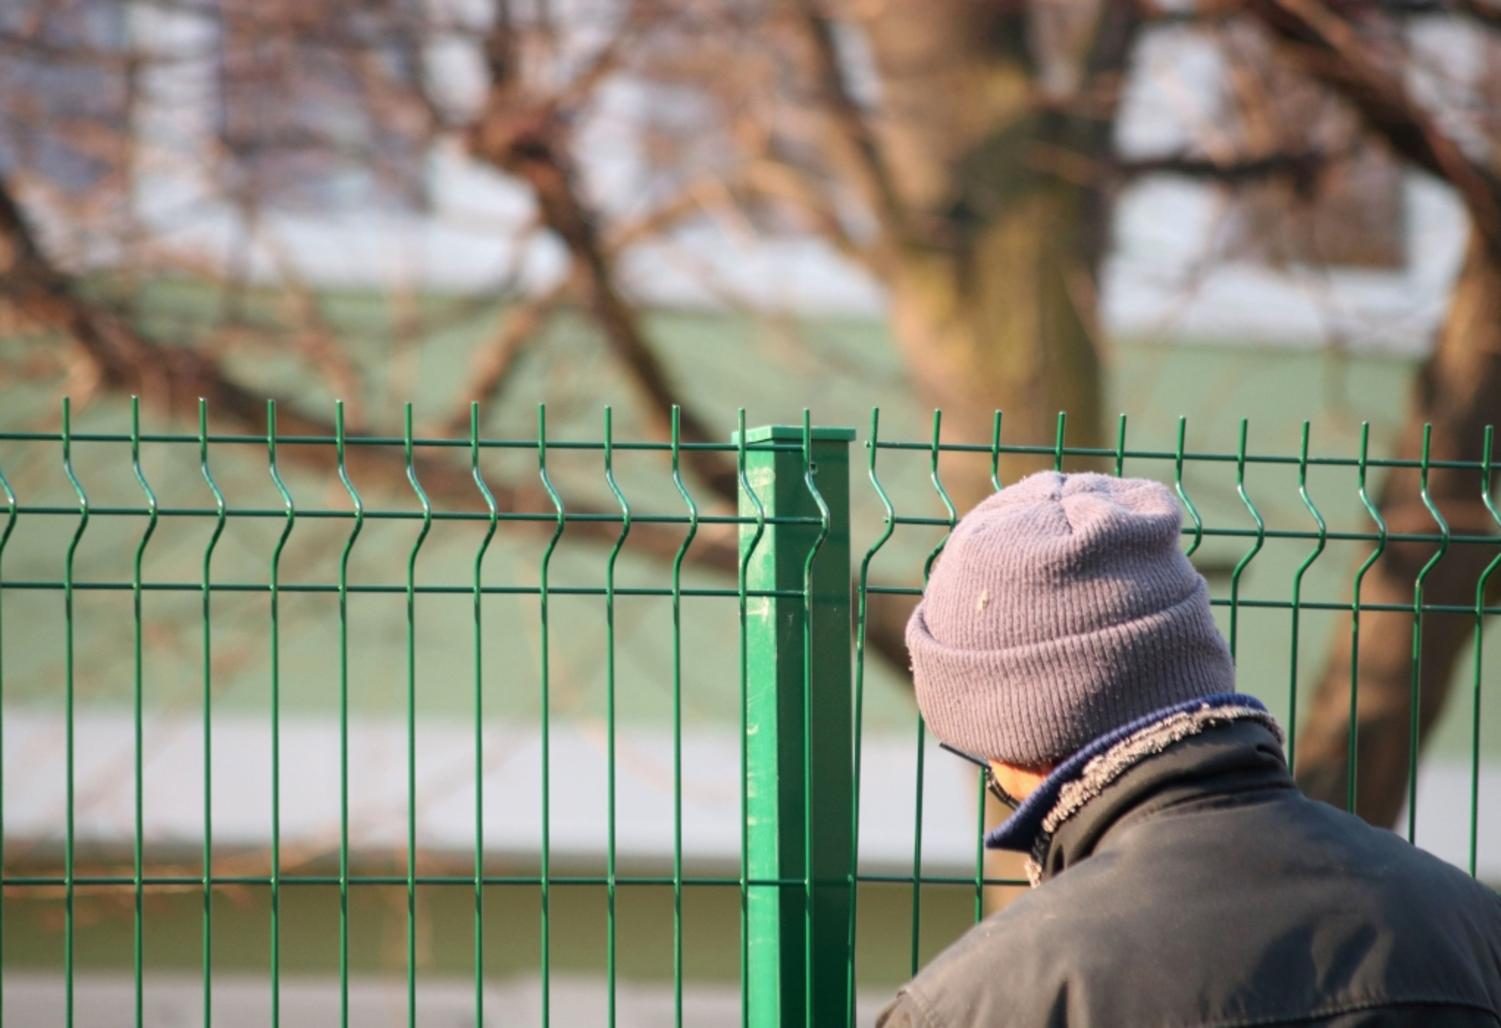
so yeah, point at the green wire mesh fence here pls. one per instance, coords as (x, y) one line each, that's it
(383, 713)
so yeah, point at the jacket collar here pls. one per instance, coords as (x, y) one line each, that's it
(1235, 744)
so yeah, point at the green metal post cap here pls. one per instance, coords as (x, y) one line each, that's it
(792, 433)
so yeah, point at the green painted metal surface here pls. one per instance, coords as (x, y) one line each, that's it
(798, 742)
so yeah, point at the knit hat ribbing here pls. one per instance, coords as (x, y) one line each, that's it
(1061, 608)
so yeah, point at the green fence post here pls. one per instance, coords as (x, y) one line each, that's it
(799, 789)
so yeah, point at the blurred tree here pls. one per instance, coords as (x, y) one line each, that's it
(964, 153)
(1352, 51)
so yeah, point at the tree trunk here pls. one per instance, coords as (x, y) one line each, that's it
(991, 269)
(996, 121)
(1006, 323)
(1458, 391)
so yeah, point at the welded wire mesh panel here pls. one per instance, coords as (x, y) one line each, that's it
(601, 725)
(377, 713)
(1290, 539)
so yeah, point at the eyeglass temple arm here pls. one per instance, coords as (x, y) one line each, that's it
(966, 755)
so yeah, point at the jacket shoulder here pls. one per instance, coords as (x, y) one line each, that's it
(1010, 968)
(1249, 914)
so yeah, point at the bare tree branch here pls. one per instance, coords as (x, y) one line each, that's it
(1331, 50)
(544, 169)
(857, 148)
(1301, 167)
(495, 359)
(173, 379)
(787, 182)
(316, 340)
(529, 142)
(1485, 13)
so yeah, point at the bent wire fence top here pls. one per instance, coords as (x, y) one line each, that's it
(318, 687)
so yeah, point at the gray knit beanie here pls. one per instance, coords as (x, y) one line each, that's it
(1061, 608)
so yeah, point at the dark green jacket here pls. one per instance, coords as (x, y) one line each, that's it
(1202, 888)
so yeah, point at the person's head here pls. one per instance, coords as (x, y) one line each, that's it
(1061, 608)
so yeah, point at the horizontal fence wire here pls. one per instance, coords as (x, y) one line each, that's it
(606, 519)
(195, 881)
(599, 445)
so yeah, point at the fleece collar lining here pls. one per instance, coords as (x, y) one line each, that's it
(1025, 828)
(1108, 766)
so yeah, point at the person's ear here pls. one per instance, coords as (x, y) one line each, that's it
(1020, 782)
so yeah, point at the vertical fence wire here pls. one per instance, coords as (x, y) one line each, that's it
(10, 525)
(742, 578)
(810, 481)
(611, 884)
(1178, 487)
(677, 717)
(1058, 437)
(137, 862)
(479, 714)
(1352, 758)
(951, 518)
(274, 583)
(1481, 584)
(354, 533)
(862, 613)
(545, 698)
(69, 921)
(411, 713)
(934, 449)
(1120, 446)
(980, 789)
(208, 716)
(1414, 719)
(1297, 601)
(1250, 554)
(995, 451)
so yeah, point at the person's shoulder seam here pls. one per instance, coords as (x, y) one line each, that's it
(918, 1005)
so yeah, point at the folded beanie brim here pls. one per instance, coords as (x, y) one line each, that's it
(1035, 704)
